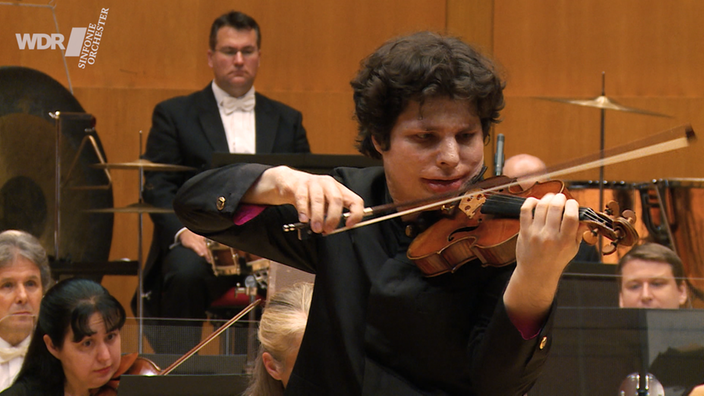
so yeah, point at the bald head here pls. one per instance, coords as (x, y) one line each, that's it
(525, 168)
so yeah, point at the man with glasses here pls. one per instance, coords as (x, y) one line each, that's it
(227, 116)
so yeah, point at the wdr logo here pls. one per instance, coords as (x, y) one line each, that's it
(83, 42)
(42, 41)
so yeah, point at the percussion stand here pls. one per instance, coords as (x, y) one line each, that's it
(602, 139)
(140, 269)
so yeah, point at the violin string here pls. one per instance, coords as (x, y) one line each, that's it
(585, 213)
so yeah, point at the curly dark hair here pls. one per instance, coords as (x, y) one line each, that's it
(417, 67)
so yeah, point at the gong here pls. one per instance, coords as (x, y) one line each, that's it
(28, 158)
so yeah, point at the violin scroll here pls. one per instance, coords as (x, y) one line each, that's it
(619, 229)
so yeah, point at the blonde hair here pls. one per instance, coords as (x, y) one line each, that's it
(280, 331)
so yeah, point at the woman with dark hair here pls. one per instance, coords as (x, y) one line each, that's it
(76, 344)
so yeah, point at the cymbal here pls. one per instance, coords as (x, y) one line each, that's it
(144, 164)
(133, 208)
(603, 102)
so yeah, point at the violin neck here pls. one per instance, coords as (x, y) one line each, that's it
(510, 206)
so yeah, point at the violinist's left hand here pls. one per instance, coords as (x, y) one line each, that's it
(548, 239)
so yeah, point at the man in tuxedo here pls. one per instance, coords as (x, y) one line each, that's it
(226, 116)
(25, 276)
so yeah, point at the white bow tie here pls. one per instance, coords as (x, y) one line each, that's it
(7, 354)
(231, 104)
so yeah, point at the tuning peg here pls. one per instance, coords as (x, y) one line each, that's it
(608, 249)
(590, 237)
(613, 208)
(630, 216)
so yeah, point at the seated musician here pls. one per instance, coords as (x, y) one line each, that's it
(520, 165)
(280, 332)
(76, 344)
(24, 276)
(651, 276)
(228, 115)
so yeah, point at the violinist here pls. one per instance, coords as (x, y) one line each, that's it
(24, 276)
(75, 347)
(425, 104)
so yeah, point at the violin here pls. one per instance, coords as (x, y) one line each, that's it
(484, 225)
(134, 364)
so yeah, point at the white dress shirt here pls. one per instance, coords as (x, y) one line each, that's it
(239, 124)
(10, 368)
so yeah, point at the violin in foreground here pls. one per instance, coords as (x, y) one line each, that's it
(484, 224)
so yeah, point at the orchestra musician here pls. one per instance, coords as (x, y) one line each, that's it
(75, 347)
(280, 332)
(228, 115)
(425, 104)
(24, 276)
(651, 276)
(520, 165)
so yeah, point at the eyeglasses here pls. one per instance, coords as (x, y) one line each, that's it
(230, 52)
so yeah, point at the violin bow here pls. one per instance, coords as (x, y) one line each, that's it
(669, 140)
(212, 336)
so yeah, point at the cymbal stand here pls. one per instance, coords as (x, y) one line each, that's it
(601, 155)
(140, 269)
(601, 144)
(58, 185)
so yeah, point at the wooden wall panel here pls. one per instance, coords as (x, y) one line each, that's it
(473, 21)
(560, 47)
(151, 51)
(651, 54)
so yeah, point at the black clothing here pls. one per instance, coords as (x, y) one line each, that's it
(187, 130)
(27, 388)
(376, 326)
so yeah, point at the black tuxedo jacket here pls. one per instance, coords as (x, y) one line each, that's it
(187, 130)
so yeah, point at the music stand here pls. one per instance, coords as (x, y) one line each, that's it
(313, 163)
(595, 349)
(183, 385)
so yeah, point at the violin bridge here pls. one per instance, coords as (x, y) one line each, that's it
(471, 204)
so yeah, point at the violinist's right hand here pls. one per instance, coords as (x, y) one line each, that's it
(319, 199)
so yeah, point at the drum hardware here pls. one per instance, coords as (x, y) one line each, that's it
(224, 260)
(140, 208)
(60, 118)
(656, 202)
(96, 149)
(603, 103)
(260, 271)
(229, 261)
(636, 384)
(133, 208)
(142, 164)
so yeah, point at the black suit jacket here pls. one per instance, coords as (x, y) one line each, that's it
(376, 325)
(187, 130)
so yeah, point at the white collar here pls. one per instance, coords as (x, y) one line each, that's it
(220, 93)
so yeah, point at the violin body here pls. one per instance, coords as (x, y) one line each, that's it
(129, 364)
(485, 226)
(469, 233)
